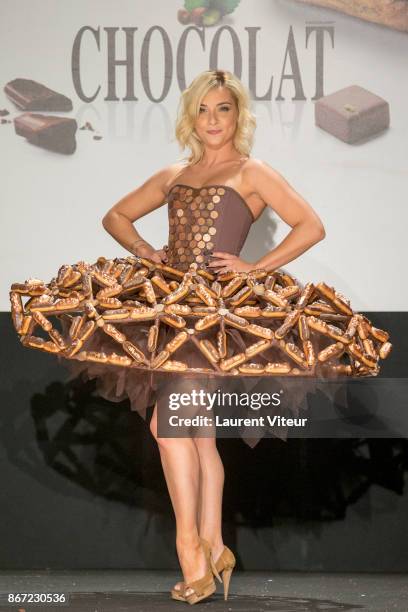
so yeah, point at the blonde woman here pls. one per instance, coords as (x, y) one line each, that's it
(215, 123)
(213, 198)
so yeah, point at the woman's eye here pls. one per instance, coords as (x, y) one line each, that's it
(222, 108)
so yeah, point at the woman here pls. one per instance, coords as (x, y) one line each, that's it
(213, 198)
(216, 124)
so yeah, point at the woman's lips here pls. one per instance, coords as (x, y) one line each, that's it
(214, 131)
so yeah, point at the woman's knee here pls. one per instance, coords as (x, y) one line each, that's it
(162, 442)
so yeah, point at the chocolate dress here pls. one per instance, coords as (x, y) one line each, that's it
(131, 323)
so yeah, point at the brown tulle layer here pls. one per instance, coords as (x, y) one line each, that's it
(143, 387)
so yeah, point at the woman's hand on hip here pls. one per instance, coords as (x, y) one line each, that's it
(147, 251)
(226, 262)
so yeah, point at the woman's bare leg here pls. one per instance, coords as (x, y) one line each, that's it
(181, 467)
(210, 496)
(211, 489)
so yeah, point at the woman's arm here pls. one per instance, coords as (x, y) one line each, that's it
(307, 228)
(119, 220)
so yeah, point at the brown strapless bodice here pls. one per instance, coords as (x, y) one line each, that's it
(202, 220)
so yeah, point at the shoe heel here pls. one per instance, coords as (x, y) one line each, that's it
(226, 577)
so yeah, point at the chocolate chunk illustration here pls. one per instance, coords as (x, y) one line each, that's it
(87, 126)
(352, 114)
(47, 131)
(33, 96)
(392, 14)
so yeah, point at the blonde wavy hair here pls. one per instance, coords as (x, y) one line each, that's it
(189, 108)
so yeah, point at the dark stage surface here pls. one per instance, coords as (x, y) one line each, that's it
(143, 591)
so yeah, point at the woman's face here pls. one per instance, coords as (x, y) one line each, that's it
(217, 118)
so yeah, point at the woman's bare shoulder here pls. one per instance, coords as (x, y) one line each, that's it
(166, 176)
(255, 168)
(257, 173)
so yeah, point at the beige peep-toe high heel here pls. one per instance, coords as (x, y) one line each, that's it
(203, 587)
(224, 566)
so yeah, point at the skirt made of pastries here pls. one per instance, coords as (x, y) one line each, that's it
(227, 331)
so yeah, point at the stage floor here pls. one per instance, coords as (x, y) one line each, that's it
(148, 591)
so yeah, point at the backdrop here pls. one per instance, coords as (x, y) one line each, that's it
(123, 69)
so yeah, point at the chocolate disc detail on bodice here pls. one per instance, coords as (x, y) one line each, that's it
(203, 220)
